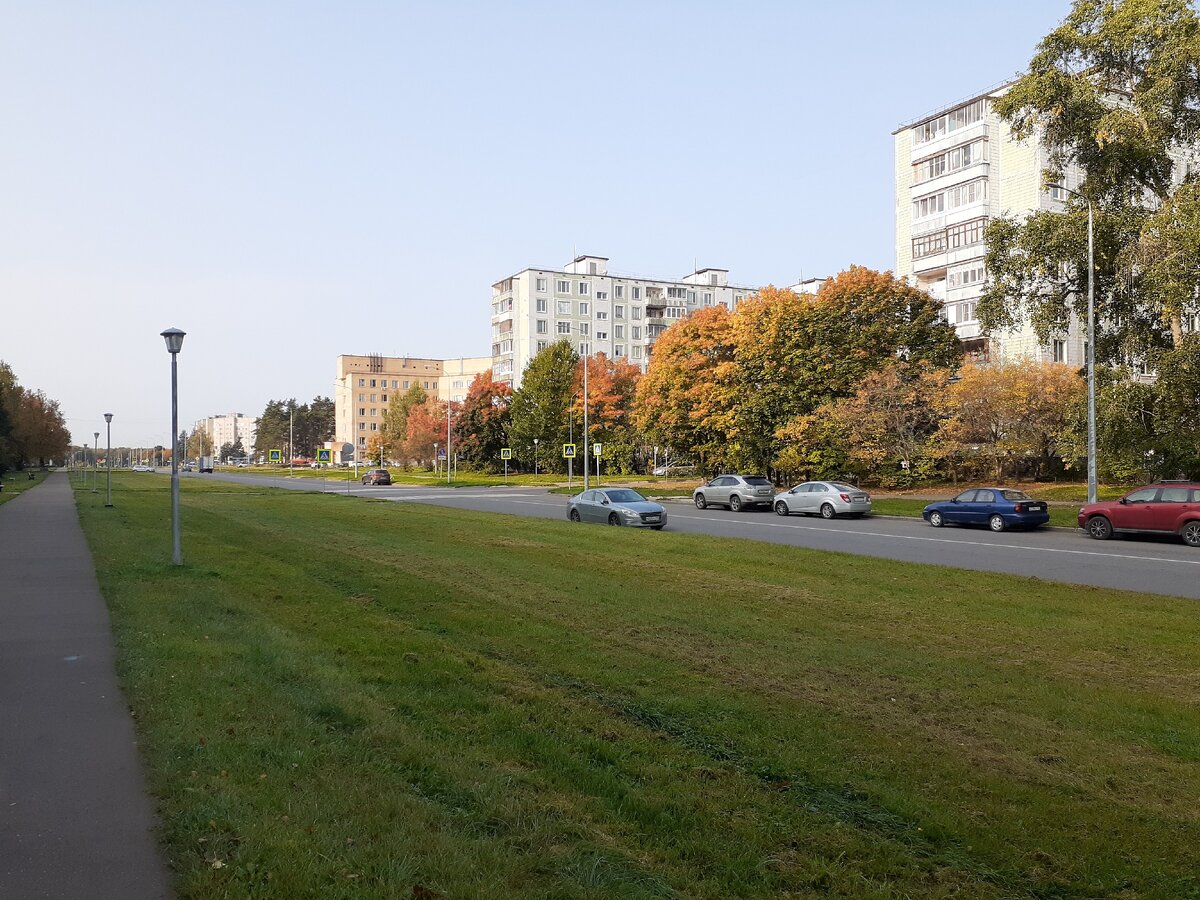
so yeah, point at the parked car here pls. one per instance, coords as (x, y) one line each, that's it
(675, 469)
(1166, 507)
(827, 498)
(377, 476)
(188, 467)
(996, 507)
(735, 491)
(143, 468)
(616, 506)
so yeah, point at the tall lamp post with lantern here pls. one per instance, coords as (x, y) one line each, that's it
(174, 338)
(95, 460)
(108, 456)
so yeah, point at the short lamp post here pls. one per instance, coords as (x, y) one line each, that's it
(535, 459)
(174, 338)
(108, 455)
(95, 460)
(1091, 351)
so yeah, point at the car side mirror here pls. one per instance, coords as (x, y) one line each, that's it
(955, 500)
(604, 502)
(1123, 501)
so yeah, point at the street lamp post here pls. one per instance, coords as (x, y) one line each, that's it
(586, 480)
(449, 440)
(1091, 349)
(95, 460)
(174, 339)
(535, 459)
(108, 455)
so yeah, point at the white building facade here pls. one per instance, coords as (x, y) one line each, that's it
(597, 311)
(956, 169)
(228, 429)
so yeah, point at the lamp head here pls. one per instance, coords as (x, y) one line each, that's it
(108, 418)
(96, 435)
(174, 339)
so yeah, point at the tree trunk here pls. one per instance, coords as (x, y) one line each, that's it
(1176, 331)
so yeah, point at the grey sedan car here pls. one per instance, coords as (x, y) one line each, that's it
(826, 498)
(738, 492)
(616, 506)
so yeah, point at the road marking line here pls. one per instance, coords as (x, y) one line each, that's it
(932, 540)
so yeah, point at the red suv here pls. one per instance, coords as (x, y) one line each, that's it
(1168, 507)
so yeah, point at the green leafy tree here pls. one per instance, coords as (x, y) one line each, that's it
(1113, 92)
(395, 418)
(540, 407)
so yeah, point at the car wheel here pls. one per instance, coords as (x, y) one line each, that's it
(1099, 528)
(781, 508)
(657, 527)
(614, 519)
(996, 523)
(936, 520)
(573, 515)
(735, 503)
(827, 511)
(1191, 534)
(700, 502)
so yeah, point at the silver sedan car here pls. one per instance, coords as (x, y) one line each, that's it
(738, 492)
(616, 506)
(825, 498)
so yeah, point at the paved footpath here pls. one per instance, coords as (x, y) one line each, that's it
(75, 818)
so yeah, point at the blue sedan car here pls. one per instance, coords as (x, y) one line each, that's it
(997, 508)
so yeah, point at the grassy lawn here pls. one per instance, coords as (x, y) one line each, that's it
(15, 483)
(399, 476)
(347, 698)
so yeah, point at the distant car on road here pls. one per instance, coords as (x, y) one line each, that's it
(188, 467)
(825, 498)
(616, 506)
(1167, 507)
(377, 476)
(143, 468)
(675, 469)
(735, 491)
(996, 507)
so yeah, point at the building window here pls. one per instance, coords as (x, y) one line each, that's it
(708, 297)
(383, 398)
(635, 332)
(541, 345)
(677, 292)
(601, 314)
(372, 382)
(601, 295)
(584, 328)
(618, 311)
(584, 288)
(585, 349)
(637, 313)
(543, 327)
(691, 297)
(542, 304)
(564, 327)
(929, 244)
(362, 398)
(1058, 350)
(362, 382)
(602, 335)
(619, 332)
(406, 385)
(618, 291)
(427, 385)
(374, 426)
(362, 410)
(637, 352)
(959, 278)
(950, 122)
(372, 398)
(583, 308)
(541, 284)
(362, 426)
(563, 307)
(618, 350)
(563, 287)
(373, 412)
(637, 293)
(965, 234)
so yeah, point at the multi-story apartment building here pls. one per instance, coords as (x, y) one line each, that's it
(366, 385)
(598, 311)
(227, 429)
(956, 169)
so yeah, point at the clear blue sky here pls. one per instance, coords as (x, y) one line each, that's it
(290, 181)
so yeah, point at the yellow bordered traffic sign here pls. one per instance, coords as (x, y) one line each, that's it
(506, 452)
(596, 449)
(324, 456)
(275, 455)
(568, 451)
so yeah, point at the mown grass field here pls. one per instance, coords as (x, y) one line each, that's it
(15, 482)
(348, 698)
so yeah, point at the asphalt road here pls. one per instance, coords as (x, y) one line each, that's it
(1154, 565)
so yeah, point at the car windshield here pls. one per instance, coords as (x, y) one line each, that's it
(625, 497)
(1015, 495)
(757, 479)
(838, 486)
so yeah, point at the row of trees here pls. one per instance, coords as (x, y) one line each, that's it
(32, 429)
(309, 426)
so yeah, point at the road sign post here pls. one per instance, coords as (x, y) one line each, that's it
(596, 448)
(569, 456)
(275, 456)
(506, 455)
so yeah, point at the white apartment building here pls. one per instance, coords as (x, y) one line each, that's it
(226, 429)
(956, 169)
(366, 385)
(597, 311)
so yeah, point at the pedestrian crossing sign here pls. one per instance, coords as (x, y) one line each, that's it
(568, 451)
(275, 455)
(324, 456)
(506, 452)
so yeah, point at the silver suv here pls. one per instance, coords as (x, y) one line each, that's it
(735, 491)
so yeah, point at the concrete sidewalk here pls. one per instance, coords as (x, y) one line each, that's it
(75, 819)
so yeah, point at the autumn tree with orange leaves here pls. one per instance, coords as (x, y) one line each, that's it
(612, 388)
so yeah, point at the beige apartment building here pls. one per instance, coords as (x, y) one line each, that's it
(956, 169)
(366, 385)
